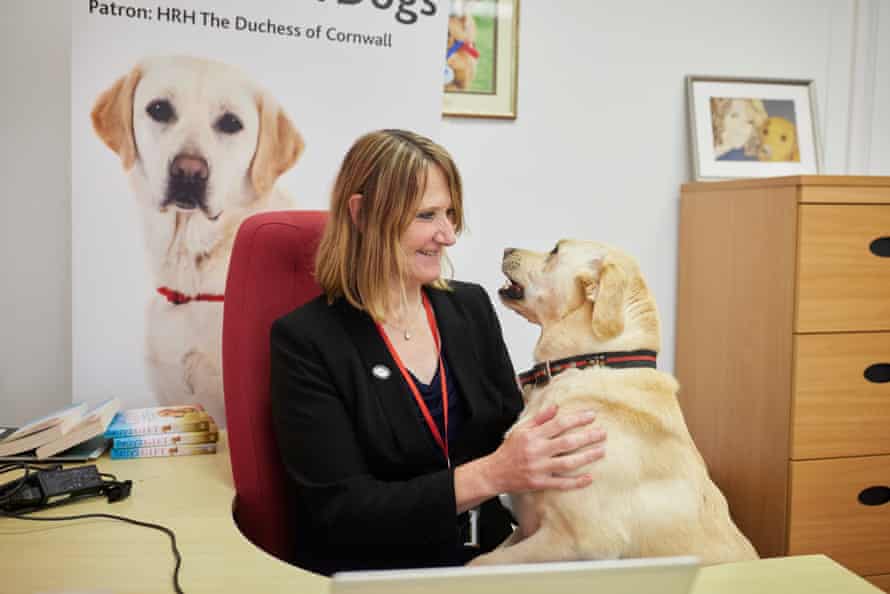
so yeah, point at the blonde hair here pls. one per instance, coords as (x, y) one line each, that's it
(358, 260)
(755, 109)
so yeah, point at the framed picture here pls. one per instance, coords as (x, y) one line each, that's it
(752, 127)
(481, 59)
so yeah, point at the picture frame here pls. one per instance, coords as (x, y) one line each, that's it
(481, 62)
(752, 127)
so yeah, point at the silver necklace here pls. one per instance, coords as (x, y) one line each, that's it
(406, 331)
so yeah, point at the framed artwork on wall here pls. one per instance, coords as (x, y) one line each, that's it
(481, 59)
(752, 127)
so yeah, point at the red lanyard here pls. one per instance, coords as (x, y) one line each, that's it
(443, 443)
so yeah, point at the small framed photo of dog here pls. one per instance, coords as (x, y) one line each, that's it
(481, 59)
(752, 127)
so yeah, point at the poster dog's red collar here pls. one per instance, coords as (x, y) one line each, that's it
(177, 298)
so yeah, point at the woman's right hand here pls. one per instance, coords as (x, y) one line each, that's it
(545, 452)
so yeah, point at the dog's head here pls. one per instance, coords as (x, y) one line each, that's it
(585, 295)
(778, 141)
(195, 135)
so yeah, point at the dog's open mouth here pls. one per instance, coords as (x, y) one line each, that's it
(512, 290)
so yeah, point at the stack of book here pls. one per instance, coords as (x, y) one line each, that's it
(182, 430)
(74, 432)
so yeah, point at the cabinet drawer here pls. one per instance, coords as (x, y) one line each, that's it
(842, 285)
(827, 517)
(877, 194)
(841, 395)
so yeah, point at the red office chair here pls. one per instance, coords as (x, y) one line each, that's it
(270, 274)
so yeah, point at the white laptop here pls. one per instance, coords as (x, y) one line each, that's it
(661, 575)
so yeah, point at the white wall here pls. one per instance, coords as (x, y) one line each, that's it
(599, 149)
(879, 155)
(35, 226)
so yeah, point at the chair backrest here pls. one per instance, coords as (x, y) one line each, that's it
(270, 274)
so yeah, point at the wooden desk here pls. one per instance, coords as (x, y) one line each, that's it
(193, 497)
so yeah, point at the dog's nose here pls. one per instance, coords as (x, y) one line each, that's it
(508, 251)
(189, 166)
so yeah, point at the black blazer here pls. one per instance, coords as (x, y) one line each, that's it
(370, 486)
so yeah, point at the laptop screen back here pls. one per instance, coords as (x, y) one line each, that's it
(664, 575)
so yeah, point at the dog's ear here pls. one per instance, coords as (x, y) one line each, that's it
(112, 117)
(278, 145)
(607, 295)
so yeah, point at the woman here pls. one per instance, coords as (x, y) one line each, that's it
(392, 391)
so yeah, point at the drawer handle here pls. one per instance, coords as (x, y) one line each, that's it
(877, 495)
(880, 247)
(879, 373)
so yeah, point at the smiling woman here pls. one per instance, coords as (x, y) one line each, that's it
(382, 373)
(395, 192)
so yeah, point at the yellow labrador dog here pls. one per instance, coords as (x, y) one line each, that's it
(651, 495)
(202, 147)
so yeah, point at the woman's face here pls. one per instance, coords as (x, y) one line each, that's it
(738, 124)
(430, 232)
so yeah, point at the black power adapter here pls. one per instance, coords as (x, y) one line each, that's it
(46, 486)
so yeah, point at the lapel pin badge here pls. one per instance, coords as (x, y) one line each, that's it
(381, 372)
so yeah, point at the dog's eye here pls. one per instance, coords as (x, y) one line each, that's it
(160, 110)
(228, 124)
(784, 138)
(553, 252)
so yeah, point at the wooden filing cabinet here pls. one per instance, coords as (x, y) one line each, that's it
(783, 358)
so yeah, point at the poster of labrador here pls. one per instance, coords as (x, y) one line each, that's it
(188, 118)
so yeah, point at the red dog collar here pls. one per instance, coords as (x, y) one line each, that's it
(541, 373)
(177, 298)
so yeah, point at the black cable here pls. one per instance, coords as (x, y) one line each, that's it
(20, 516)
(10, 466)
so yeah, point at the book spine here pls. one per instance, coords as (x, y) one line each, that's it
(153, 452)
(165, 439)
(156, 428)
